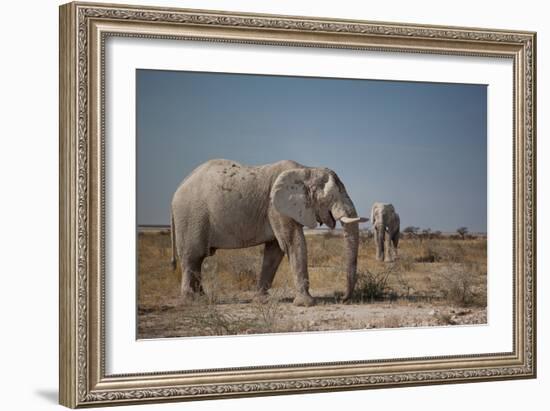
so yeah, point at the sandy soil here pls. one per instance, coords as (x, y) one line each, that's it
(247, 318)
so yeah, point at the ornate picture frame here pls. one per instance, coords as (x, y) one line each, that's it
(84, 29)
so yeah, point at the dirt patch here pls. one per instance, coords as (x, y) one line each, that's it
(246, 318)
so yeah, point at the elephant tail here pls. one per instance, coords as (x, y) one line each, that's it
(173, 238)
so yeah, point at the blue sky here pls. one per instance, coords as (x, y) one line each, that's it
(420, 146)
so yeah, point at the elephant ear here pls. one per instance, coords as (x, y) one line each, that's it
(291, 198)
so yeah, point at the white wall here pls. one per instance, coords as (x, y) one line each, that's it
(28, 170)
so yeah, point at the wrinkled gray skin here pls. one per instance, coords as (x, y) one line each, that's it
(385, 221)
(226, 205)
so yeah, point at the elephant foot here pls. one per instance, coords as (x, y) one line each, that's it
(189, 296)
(346, 299)
(304, 300)
(261, 298)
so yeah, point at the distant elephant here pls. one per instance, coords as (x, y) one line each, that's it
(226, 205)
(384, 219)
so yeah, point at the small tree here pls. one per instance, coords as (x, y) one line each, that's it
(411, 231)
(462, 231)
(436, 234)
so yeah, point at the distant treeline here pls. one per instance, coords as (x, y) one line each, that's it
(407, 232)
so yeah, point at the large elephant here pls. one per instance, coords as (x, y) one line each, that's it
(226, 205)
(384, 219)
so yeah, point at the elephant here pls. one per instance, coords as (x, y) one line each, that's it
(226, 205)
(384, 219)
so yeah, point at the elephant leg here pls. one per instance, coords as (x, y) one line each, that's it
(388, 255)
(272, 258)
(379, 239)
(395, 240)
(191, 253)
(191, 282)
(196, 282)
(297, 255)
(376, 242)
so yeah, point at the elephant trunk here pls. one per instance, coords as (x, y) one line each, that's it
(351, 237)
(346, 212)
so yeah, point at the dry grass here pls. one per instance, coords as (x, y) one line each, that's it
(442, 272)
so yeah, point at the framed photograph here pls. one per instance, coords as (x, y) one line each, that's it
(260, 204)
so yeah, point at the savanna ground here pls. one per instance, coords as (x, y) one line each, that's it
(434, 281)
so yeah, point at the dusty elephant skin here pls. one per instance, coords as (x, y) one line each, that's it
(226, 205)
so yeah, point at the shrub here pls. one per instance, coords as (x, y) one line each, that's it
(459, 285)
(372, 286)
(213, 320)
(268, 311)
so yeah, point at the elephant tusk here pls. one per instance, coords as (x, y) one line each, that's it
(349, 220)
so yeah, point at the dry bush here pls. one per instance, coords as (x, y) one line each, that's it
(268, 311)
(371, 285)
(460, 284)
(206, 316)
(210, 319)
